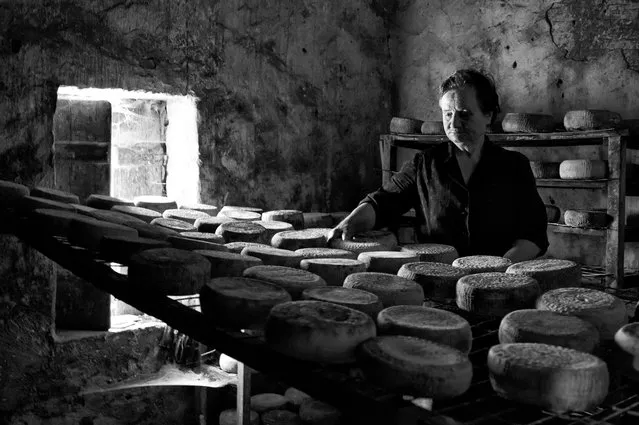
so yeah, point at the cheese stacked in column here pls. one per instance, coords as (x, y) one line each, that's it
(274, 256)
(295, 281)
(547, 327)
(391, 289)
(227, 264)
(188, 216)
(240, 303)
(550, 273)
(306, 253)
(386, 261)
(314, 412)
(297, 239)
(374, 240)
(415, 366)
(273, 227)
(438, 280)
(191, 244)
(581, 169)
(143, 214)
(169, 271)
(432, 252)
(55, 195)
(211, 210)
(554, 378)
(294, 217)
(363, 301)
(606, 312)
(88, 232)
(333, 270)
(317, 331)
(482, 264)
(317, 219)
(496, 294)
(155, 203)
(240, 231)
(432, 324)
(104, 202)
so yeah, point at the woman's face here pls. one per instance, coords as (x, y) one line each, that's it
(464, 122)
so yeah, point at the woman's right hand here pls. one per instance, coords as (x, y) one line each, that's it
(361, 219)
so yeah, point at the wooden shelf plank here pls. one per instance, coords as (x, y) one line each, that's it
(562, 228)
(573, 184)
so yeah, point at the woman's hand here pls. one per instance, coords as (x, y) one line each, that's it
(361, 219)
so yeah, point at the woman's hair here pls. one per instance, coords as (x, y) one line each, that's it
(482, 83)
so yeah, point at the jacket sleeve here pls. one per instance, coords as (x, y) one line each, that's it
(397, 196)
(532, 221)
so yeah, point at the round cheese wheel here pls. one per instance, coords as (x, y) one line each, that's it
(582, 169)
(241, 231)
(363, 301)
(391, 289)
(317, 219)
(586, 219)
(297, 239)
(294, 217)
(375, 240)
(30, 203)
(591, 119)
(545, 170)
(333, 270)
(482, 264)
(605, 311)
(52, 221)
(268, 401)
(281, 417)
(496, 293)
(147, 230)
(433, 324)
(113, 217)
(527, 123)
(192, 244)
(295, 281)
(210, 225)
(432, 252)
(240, 303)
(238, 247)
(228, 264)
(432, 127)
(386, 261)
(325, 253)
(273, 227)
(229, 417)
(550, 273)
(83, 209)
(88, 232)
(203, 236)
(188, 216)
(415, 366)
(627, 338)
(143, 214)
(169, 271)
(552, 213)
(211, 210)
(274, 256)
(338, 217)
(438, 280)
(11, 192)
(228, 364)
(155, 203)
(226, 208)
(121, 248)
(317, 331)
(400, 125)
(554, 378)
(104, 202)
(173, 224)
(315, 412)
(55, 195)
(296, 397)
(241, 215)
(547, 327)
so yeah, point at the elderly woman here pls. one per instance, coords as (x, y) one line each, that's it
(468, 193)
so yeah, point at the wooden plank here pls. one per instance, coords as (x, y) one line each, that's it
(562, 228)
(573, 184)
(616, 199)
(243, 401)
(388, 154)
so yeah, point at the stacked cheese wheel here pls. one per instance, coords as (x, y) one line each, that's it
(143, 214)
(238, 247)
(210, 224)
(122, 248)
(294, 217)
(273, 227)
(274, 256)
(88, 232)
(325, 253)
(191, 244)
(240, 231)
(241, 215)
(55, 195)
(173, 224)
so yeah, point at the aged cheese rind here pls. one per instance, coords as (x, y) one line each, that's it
(297, 239)
(241, 215)
(155, 203)
(55, 195)
(432, 252)
(211, 210)
(210, 224)
(238, 247)
(240, 231)
(550, 273)
(295, 281)
(374, 240)
(88, 232)
(591, 119)
(586, 219)
(391, 289)
(273, 227)
(282, 417)
(386, 261)
(482, 263)
(188, 216)
(122, 248)
(363, 301)
(173, 224)
(105, 202)
(438, 280)
(191, 244)
(296, 397)
(333, 270)
(582, 169)
(527, 123)
(143, 214)
(274, 256)
(228, 264)
(53, 221)
(555, 378)
(203, 236)
(306, 253)
(30, 203)
(241, 208)
(294, 217)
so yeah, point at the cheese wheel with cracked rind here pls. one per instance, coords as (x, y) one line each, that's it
(191, 244)
(143, 214)
(482, 264)
(550, 273)
(241, 215)
(586, 219)
(30, 203)
(211, 210)
(238, 247)
(273, 227)
(554, 378)
(203, 236)
(11, 192)
(582, 169)
(188, 216)
(173, 224)
(274, 256)
(432, 252)
(240, 208)
(169, 271)
(548, 327)
(415, 366)
(295, 281)
(333, 270)
(391, 289)
(122, 248)
(317, 219)
(376, 240)
(545, 170)
(281, 417)
(294, 217)
(228, 264)
(552, 213)
(55, 195)
(52, 221)
(88, 232)
(363, 301)
(433, 324)
(591, 119)
(432, 127)
(105, 202)
(496, 293)
(605, 311)
(315, 412)
(401, 125)
(627, 338)
(268, 401)
(296, 397)
(229, 417)
(386, 261)
(239, 302)
(438, 280)
(155, 203)
(527, 123)
(317, 331)
(297, 239)
(241, 231)
(210, 225)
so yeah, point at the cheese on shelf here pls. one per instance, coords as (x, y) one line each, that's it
(586, 219)
(113, 217)
(273, 227)
(438, 280)
(325, 253)
(582, 169)
(228, 264)
(297, 239)
(173, 224)
(374, 240)
(294, 217)
(274, 256)
(188, 216)
(333, 270)
(432, 252)
(391, 289)
(240, 231)
(203, 236)
(363, 301)
(55, 195)
(527, 123)
(240, 208)
(156, 203)
(104, 202)
(147, 230)
(241, 215)
(295, 281)
(121, 248)
(550, 273)
(482, 264)
(268, 401)
(210, 225)
(591, 119)
(211, 210)
(88, 232)
(30, 203)
(296, 397)
(191, 244)
(386, 261)
(143, 214)
(627, 338)
(238, 247)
